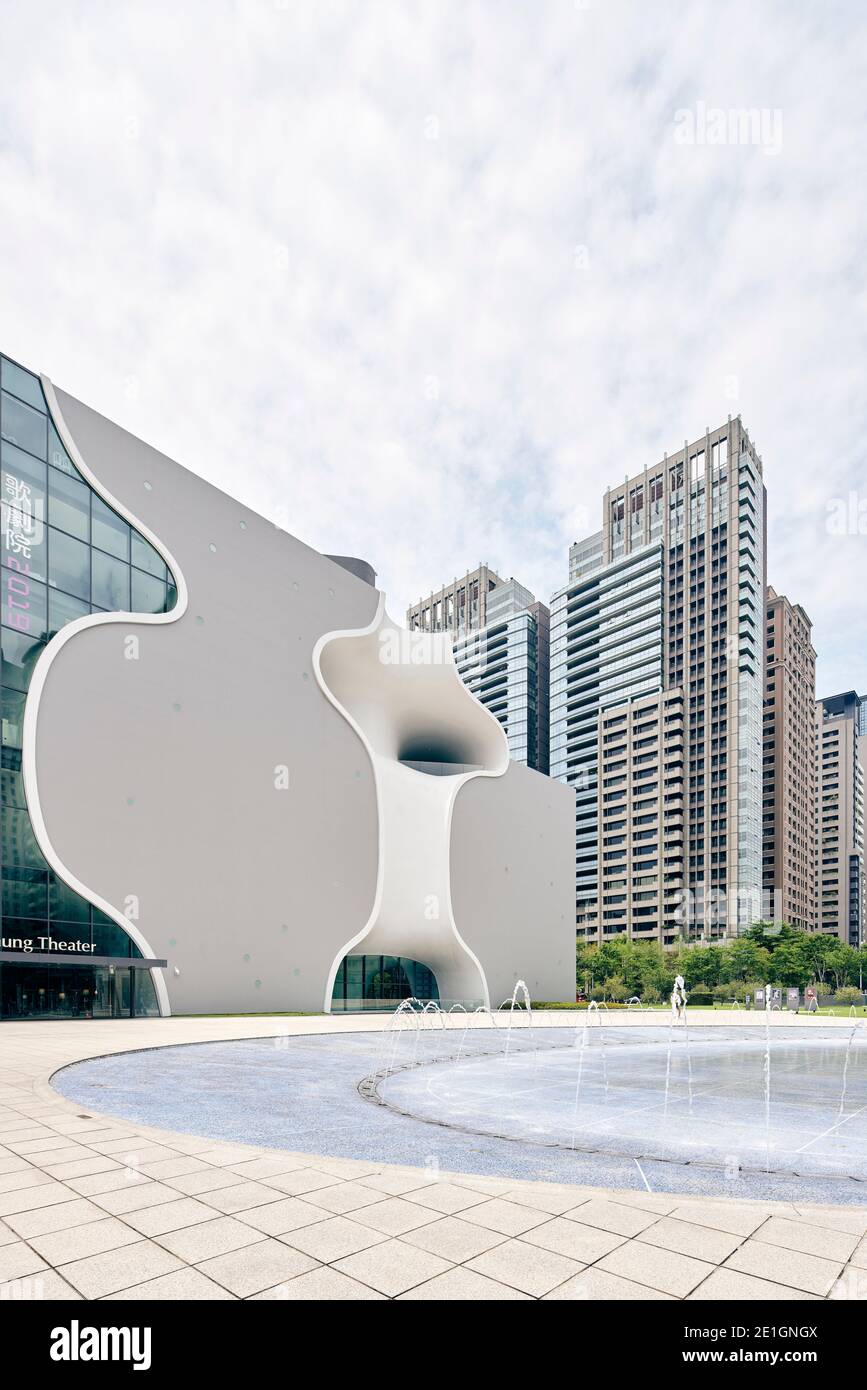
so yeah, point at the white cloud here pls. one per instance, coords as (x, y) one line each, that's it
(329, 256)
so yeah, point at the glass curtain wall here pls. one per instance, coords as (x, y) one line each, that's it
(65, 553)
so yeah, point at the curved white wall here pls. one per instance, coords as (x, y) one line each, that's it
(402, 694)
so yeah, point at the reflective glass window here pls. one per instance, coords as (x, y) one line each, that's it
(57, 455)
(63, 609)
(25, 893)
(22, 493)
(68, 564)
(68, 504)
(24, 385)
(17, 841)
(13, 717)
(66, 906)
(110, 532)
(23, 604)
(110, 583)
(144, 557)
(148, 594)
(24, 426)
(19, 656)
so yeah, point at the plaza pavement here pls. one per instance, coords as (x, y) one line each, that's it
(97, 1208)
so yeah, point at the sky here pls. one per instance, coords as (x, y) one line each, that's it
(418, 279)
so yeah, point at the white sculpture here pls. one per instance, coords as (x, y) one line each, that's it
(678, 999)
(401, 693)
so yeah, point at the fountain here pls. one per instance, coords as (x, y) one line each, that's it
(520, 987)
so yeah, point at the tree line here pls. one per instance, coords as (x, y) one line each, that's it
(768, 953)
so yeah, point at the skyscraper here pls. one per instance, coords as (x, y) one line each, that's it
(841, 758)
(699, 518)
(501, 648)
(789, 765)
(458, 608)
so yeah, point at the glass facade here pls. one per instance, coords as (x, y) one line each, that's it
(375, 982)
(606, 649)
(505, 665)
(65, 553)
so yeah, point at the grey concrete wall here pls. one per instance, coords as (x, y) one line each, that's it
(156, 776)
(513, 881)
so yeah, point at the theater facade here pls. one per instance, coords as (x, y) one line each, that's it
(230, 783)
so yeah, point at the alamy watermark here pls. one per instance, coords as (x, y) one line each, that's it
(761, 126)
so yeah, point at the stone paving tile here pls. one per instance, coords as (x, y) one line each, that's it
(209, 1180)
(24, 1177)
(728, 1284)
(240, 1197)
(491, 1187)
(164, 1168)
(17, 1260)
(57, 1218)
(119, 1269)
(344, 1197)
(11, 1163)
(43, 1287)
(94, 1183)
(859, 1255)
(391, 1268)
(280, 1217)
(332, 1239)
(702, 1242)
(209, 1238)
(506, 1217)
(185, 1285)
(453, 1239)
(224, 1157)
(134, 1197)
(304, 1180)
(29, 1198)
(586, 1244)
(267, 1167)
(398, 1183)
(81, 1167)
(611, 1216)
(722, 1216)
(524, 1225)
(661, 1203)
(349, 1169)
(319, 1284)
(60, 1151)
(852, 1285)
(77, 1242)
(395, 1216)
(446, 1198)
(169, 1216)
(810, 1240)
(552, 1200)
(851, 1219)
(665, 1270)
(781, 1266)
(597, 1284)
(462, 1285)
(526, 1267)
(256, 1267)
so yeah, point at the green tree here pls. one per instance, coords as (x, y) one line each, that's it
(744, 959)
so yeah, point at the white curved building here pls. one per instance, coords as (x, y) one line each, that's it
(229, 781)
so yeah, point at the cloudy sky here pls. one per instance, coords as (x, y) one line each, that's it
(418, 278)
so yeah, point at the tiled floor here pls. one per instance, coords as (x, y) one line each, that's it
(96, 1208)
